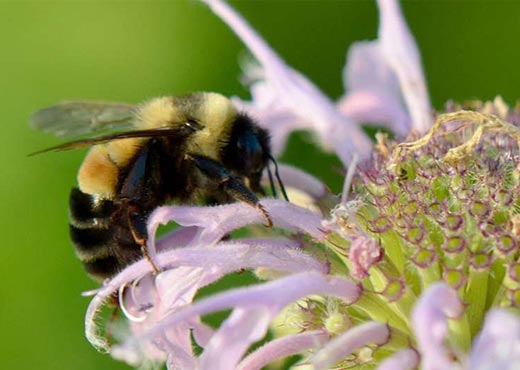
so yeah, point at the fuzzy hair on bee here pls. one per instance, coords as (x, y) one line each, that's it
(184, 149)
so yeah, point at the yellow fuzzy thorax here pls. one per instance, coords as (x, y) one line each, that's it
(100, 170)
(213, 111)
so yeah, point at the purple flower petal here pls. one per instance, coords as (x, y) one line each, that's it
(241, 329)
(346, 343)
(275, 294)
(283, 347)
(430, 324)
(498, 344)
(202, 333)
(178, 361)
(177, 287)
(268, 298)
(136, 298)
(177, 238)
(195, 267)
(142, 305)
(215, 222)
(400, 49)
(380, 74)
(406, 359)
(374, 95)
(293, 94)
(177, 344)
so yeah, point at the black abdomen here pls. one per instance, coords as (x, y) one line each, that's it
(97, 232)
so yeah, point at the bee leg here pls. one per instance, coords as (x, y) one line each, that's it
(132, 196)
(233, 186)
(137, 224)
(236, 188)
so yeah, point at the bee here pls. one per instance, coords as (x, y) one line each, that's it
(184, 149)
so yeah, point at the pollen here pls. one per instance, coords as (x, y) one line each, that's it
(98, 174)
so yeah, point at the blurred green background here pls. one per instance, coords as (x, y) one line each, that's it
(132, 51)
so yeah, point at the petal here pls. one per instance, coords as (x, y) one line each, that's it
(179, 356)
(380, 75)
(350, 341)
(179, 237)
(294, 94)
(178, 286)
(374, 95)
(176, 361)
(406, 359)
(241, 329)
(202, 333)
(200, 266)
(402, 54)
(283, 347)
(137, 299)
(273, 295)
(215, 222)
(430, 324)
(498, 344)
(204, 265)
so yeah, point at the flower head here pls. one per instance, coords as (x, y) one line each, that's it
(414, 265)
(284, 100)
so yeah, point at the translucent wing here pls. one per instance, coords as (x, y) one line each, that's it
(174, 133)
(77, 118)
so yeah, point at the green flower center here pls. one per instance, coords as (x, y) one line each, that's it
(442, 208)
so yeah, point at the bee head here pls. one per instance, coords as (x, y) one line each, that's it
(248, 150)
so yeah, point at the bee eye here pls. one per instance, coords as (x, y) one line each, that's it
(253, 155)
(193, 124)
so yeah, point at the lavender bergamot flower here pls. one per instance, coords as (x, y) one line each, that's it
(415, 265)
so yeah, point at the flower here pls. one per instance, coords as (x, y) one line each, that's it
(378, 76)
(414, 266)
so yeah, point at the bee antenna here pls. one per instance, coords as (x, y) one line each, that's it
(278, 178)
(271, 182)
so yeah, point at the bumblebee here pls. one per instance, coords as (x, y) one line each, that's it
(184, 149)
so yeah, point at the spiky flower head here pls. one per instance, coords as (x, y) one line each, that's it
(435, 218)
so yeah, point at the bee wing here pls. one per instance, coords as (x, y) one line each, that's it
(76, 118)
(175, 133)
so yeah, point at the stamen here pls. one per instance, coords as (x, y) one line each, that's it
(348, 178)
(127, 312)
